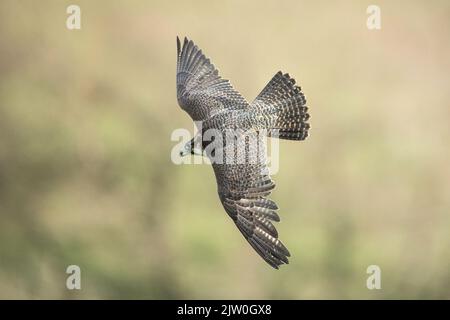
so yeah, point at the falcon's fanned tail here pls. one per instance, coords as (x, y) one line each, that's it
(283, 106)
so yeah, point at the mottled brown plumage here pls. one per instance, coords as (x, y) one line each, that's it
(243, 187)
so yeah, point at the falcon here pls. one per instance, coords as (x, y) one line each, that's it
(279, 111)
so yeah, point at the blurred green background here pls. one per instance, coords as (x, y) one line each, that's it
(85, 171)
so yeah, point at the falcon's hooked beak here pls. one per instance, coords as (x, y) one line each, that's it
(188, 149)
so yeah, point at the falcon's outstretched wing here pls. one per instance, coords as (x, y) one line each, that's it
(201, 92)
(243, 190)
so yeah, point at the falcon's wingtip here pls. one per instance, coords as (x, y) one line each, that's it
(185, 42)
(178, 46)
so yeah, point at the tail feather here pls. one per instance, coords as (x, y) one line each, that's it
(283, 106)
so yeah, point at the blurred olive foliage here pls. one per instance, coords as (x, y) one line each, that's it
(85, 171)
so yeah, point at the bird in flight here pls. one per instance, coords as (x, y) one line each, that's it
(243, 186)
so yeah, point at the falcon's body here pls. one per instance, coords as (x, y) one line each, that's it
(243, 187)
